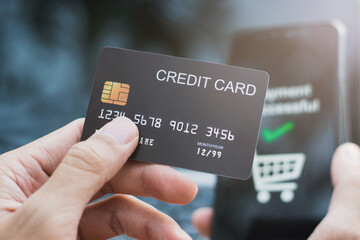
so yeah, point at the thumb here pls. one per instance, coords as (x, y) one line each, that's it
(342, 220)
(86, 168)
(345, 175)
(346, 163)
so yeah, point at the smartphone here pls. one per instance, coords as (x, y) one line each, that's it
(304, 120)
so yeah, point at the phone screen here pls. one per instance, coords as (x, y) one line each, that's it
(290, 188)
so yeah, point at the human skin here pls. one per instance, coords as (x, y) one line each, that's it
(343, 218)
(46, 187)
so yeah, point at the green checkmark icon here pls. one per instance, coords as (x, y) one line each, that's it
(272, 135)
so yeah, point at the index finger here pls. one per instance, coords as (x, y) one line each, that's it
(151, 180)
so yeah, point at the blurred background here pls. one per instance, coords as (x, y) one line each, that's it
(49, 51)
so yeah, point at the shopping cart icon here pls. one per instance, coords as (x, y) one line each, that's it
(276, 173)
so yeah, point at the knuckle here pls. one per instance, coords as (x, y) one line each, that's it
(115, 224)
(85, 157)
(116, 201)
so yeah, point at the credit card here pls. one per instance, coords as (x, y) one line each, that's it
(190, 114)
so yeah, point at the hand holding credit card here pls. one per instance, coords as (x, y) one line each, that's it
(190, 114)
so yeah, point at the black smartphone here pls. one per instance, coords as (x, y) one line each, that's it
(304, 120)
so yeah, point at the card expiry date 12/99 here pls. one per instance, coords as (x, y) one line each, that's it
(190, 114)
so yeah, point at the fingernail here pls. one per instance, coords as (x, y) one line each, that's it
(122, 129)
(181, 234)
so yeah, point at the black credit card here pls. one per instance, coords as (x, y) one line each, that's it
(190, 114)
